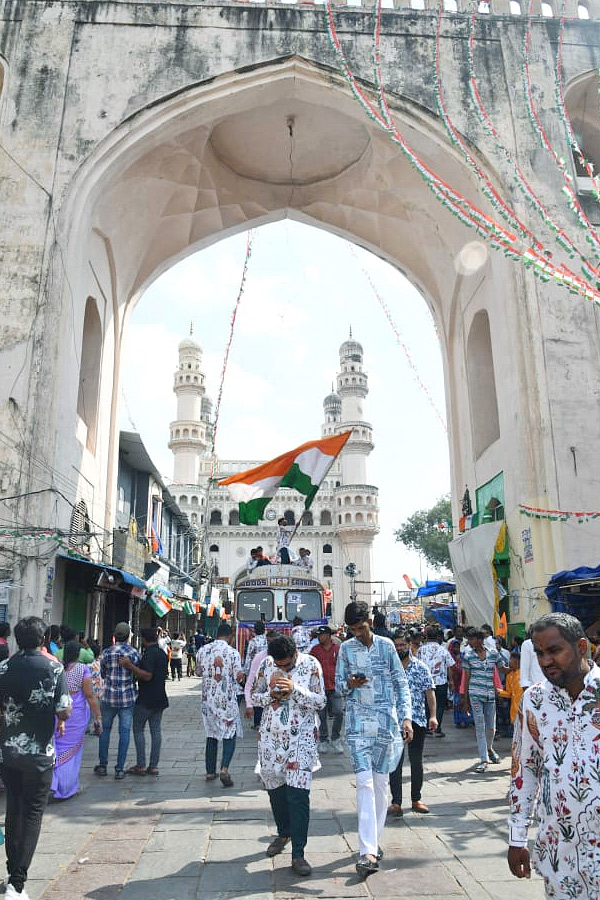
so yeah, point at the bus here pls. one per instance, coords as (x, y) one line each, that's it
(275, 595)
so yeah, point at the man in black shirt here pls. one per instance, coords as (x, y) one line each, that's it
(151, 702)
(33, 690)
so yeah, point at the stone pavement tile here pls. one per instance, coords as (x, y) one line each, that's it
(113, 852)
(80, 880)
(46, 865)
(252, 877)
(516, 888)
(333, 876)
(242, 831)
(194, 805)
(183, 821)
(235, 850)
(181, 862)
(130, 830)
(171, 839)
(160, 889)
(331, 843)
(413, 878)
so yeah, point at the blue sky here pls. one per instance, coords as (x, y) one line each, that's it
(305, 288)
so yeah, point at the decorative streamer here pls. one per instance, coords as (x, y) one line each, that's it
(572, 201)
(399, 340)
(560, 101)
(556, 515)
(496, 234)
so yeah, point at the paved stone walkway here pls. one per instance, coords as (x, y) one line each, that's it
(178, 838)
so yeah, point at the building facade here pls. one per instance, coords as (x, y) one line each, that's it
(341, 524)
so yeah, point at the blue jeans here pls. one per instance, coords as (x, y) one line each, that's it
(484, 717)
(153, 717)
(211, 753)
(125, 714)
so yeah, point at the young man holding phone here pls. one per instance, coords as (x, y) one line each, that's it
(378, 721)
(289, 688)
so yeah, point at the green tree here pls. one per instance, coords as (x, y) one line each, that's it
(429, 531)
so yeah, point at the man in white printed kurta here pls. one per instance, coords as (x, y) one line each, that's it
(220, 668)
(289, 687)
(556, 765)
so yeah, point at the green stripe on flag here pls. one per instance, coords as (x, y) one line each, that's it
(252, 512)
(299, 480)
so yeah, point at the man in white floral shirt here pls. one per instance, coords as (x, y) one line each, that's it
(556, 765)
(289, 687)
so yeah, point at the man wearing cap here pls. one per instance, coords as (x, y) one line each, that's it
(120, 694)
(327, 651)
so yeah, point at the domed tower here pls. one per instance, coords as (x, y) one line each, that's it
(332, 413)
(190, 432)
(353, 387)
(356, 501)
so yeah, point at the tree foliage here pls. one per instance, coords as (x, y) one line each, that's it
(429, 531)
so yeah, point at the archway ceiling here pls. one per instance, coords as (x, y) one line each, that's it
(230, 162)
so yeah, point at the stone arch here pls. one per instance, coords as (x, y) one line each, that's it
(216, 517)
(307, 518)
(234, 517)
(583, 108)
(485, 421)
(89, 371)
(325, 517)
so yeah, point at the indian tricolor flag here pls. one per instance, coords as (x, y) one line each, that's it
(159, 603)
(303, 469)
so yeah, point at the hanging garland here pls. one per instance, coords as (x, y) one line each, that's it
(572, 201)
(562, 109)
(496, 235)
(524, 186)
(399, 340)
(557, 515)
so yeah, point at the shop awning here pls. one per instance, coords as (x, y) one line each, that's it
(432, 588)
(127, 577)
(472, 555)
(576, 592)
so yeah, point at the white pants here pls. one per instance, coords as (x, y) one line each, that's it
(371, 802)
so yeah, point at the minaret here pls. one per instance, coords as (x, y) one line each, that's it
(356, 500)
(352, 387)
(191, 430)
(332, 413)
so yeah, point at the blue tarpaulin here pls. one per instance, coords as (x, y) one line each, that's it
(585, 603)
(431, 588)
(444, 615)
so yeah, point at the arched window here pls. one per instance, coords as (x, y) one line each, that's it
(194, 519)
(547, 10)
(581, 101)
(482, 384)
(194, 432)
(89, 372)
(214, 548)
(194, 501)
(327, 571)
(339, 520)
(515, 8)
(359, 517)
(215, 517)
(177, 433)
(369, 498)
(327, 548)
(186, 432)
(289, 517)
(339, 501)
(369, 517)
(307, 518)
(79, 532)
(358, 500)
(583, 11)
(348, 518)
(234, 517)
(325, 517)
(347, 501)
(183, 500)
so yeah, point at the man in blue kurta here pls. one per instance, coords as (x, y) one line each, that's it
(370, 674)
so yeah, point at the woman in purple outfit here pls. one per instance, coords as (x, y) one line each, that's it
(69, 747)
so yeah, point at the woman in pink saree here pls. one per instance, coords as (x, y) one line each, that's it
(69, 747)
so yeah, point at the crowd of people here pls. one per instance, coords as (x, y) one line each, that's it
(392, 690)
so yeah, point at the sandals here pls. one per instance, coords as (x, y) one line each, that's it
(481, 767)
(366, 866)
(210, 776)
(136, 770)
(152, 770)
(226, 779)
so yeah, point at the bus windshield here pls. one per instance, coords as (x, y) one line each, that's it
(254, 606)
(306, 604)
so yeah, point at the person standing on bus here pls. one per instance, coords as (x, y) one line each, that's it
(220, 668)
(284, 537)
(289, 688)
